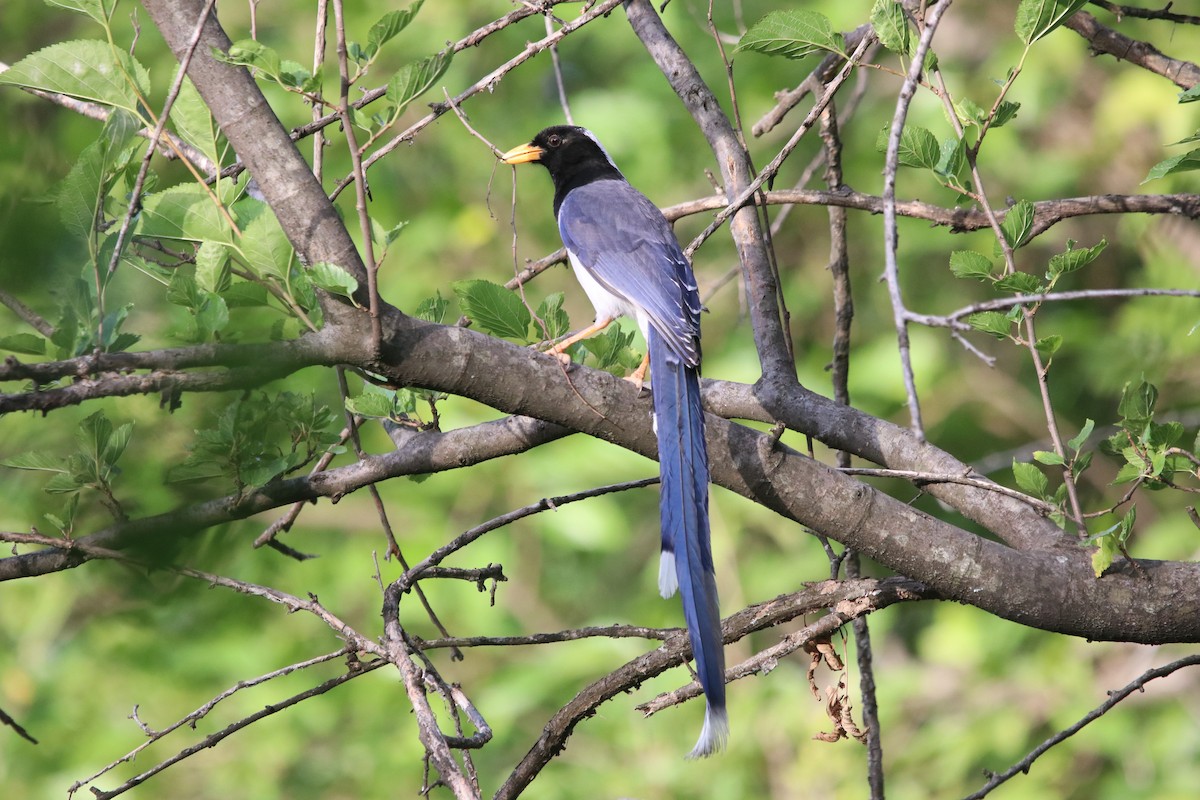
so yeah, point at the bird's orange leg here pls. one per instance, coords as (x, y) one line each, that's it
(587, 332)
(638, 376)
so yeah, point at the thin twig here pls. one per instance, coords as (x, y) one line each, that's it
(1115, 697)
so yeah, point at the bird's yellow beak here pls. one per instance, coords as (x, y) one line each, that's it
(523, 154)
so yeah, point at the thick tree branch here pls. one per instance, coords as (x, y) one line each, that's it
(1102, 39)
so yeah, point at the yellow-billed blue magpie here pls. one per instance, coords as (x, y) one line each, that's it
(626, 257)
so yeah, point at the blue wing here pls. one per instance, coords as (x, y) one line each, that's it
(626, 244)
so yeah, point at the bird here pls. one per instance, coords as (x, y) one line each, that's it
(624, 254)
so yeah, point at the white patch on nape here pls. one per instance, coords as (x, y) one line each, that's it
(592, 136)
(668, 581)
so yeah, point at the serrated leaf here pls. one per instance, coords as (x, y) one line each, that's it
(388, 26)
(87, 69)
(183, 290)
(333, 279)
(610, 350)
(1017, 223)
(993, 322)
(891, 26)
(970, 264)
(1048, 458)
(1102, 557)
(93, 8)
(1164, 435)
(1083, 435)
(245, 294)
(433, 309)
(952, 159)
(374, 402)
(553, 317)
(26, 343)
(792, 34)
(1036, 18)
(212, 266)
(264, 246)
(1020, 283)
(1030, 479)
(969, 112)
(195, 125)
(184, 212)
(1126, 526)
(1137, 403)
(251, 53)
(1181, 163)
(413, 80)
(497, 310)
(1191, 95)
(38, 462)
(1005, 113)
(1128, 473)
(1049, 345)
(1072, 259)
(918, 147)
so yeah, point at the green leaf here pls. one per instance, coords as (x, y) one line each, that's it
(1164, 435)
(1126, 526)
(1048, 458)
(891, 26)
(1030, 479)
(1072, 259)
(1181, 163)
(264, 246)
(792, 34)
(1049, 345)
(373, 402)
(184, 212)
(1128, 473)
(497, 310)
(1005, 113)
(183, 290)
(918, 147)
(1191, 95)
(90, 70)
(35, 461)
(251, 53)
(388, 26)
(970, 264)
(212, 266)
(611, 352)
(1020, 283)
(551, 314)
(382, 237)
(194, 122)
(1083, 435)
(333, 279)
(952, 159)
(26, 343)
(93, 8)
(1102, 557)
(433, 309)
(1036, 18)
(993, 322)
(1137, 404)
(969, 112)
(1017, 223)
(413, 80)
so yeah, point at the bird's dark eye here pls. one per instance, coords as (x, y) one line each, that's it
(554, 141)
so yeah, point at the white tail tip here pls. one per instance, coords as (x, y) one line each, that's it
(668, 581)
(713, 735)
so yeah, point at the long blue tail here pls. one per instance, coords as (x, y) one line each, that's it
(683, 461)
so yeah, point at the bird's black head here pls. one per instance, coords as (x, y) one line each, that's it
(572, 155)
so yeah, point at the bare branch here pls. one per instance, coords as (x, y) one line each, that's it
(1114, 698)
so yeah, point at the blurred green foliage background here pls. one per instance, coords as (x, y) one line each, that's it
(959, 691)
